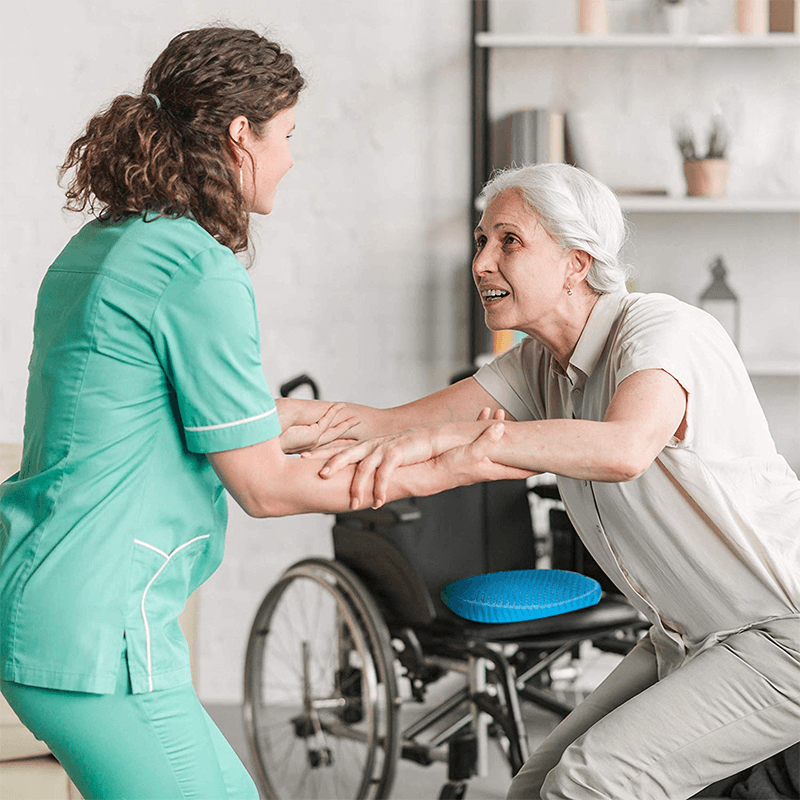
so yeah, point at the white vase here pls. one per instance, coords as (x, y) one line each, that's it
(593, 17)
(752, 17)
(676, 16)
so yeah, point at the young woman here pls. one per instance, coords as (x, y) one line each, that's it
(146, 396)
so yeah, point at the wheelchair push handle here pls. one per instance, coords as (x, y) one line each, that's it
(295, 383)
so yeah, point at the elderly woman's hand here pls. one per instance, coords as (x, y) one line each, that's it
(330, 427)
(378, 458)
(473, 462)
(459, 466)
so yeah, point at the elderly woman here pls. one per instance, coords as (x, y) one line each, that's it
(641, 405)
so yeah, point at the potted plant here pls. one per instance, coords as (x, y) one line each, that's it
(706, 173)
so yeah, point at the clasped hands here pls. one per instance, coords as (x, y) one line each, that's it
(456, 454)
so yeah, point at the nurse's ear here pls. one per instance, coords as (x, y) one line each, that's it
(240, 132)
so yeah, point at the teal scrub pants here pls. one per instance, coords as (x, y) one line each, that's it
(155, 746)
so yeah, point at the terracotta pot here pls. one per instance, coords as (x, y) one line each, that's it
(707, 177)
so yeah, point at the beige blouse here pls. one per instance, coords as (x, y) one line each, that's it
(707, 541)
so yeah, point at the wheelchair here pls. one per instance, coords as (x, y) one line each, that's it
(334, 640)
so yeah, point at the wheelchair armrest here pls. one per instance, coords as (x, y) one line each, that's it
(547, 491)
(390, 514)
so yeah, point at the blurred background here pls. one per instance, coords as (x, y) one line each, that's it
(361, 273)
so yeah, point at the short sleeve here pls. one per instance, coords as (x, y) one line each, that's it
(661, 333)
(655, 335)
(514, 379)
(206, 336)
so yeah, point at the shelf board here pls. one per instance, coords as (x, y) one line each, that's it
(638, 40)
(647, 204)
(765, 367)
(663, 204)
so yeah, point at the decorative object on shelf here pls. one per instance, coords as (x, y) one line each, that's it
(784, 16)
(707, 174)
(752, 17)
(593, 17)
(529, 136)
(720, 300)
(676, 16)
(505, 340)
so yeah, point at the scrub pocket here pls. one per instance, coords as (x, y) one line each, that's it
(158, 655)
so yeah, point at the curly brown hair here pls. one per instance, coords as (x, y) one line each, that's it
(168, 151)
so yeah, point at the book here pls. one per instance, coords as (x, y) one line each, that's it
(529, 136)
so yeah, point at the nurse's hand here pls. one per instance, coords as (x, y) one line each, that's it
(330, 427)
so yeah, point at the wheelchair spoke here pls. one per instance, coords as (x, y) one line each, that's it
(312, 683)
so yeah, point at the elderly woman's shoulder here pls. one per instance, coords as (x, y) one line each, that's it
(659, 306)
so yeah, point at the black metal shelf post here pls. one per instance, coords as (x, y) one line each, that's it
(480, 336)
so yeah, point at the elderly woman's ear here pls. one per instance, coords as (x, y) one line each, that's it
(579, 264)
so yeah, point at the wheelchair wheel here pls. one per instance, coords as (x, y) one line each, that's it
(321, 697)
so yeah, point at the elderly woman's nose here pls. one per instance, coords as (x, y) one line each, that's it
(483, 262)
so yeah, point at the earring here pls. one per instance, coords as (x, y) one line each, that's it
(569, 290)
(241, 178)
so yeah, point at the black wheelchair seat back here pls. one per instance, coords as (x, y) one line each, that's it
(408, 551)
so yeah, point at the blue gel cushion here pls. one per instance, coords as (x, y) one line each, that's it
(519, 595)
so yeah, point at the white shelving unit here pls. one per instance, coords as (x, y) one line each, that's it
(658, 204)
(765, 367)
(666, 204)
(639, 41)
(485, 41)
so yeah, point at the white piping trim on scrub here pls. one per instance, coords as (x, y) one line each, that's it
(231, 424)
(152, 547)
(147, 588)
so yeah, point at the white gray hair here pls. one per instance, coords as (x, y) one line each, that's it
(577, 210)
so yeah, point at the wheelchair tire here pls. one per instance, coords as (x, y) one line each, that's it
(320, 691)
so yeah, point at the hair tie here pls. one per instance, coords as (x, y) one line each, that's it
(155, 99)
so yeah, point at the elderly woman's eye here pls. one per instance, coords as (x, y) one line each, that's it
(509, 238)
(480, 241)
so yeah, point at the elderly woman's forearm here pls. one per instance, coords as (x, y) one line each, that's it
(581, 449)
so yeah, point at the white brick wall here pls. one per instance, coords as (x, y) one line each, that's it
(360, 271)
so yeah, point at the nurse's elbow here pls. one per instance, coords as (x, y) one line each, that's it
(262, 508)
(258, 505)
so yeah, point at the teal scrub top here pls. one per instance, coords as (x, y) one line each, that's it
(146, 356)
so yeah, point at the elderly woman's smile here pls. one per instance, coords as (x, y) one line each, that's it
(520, 271)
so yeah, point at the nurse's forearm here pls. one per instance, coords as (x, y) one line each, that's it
(267, 483)
(298, 489)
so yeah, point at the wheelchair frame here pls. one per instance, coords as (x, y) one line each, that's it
(384, 623)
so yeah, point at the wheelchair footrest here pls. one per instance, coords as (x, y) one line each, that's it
(418, 753)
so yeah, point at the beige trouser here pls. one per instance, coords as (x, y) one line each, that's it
(638, 738)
